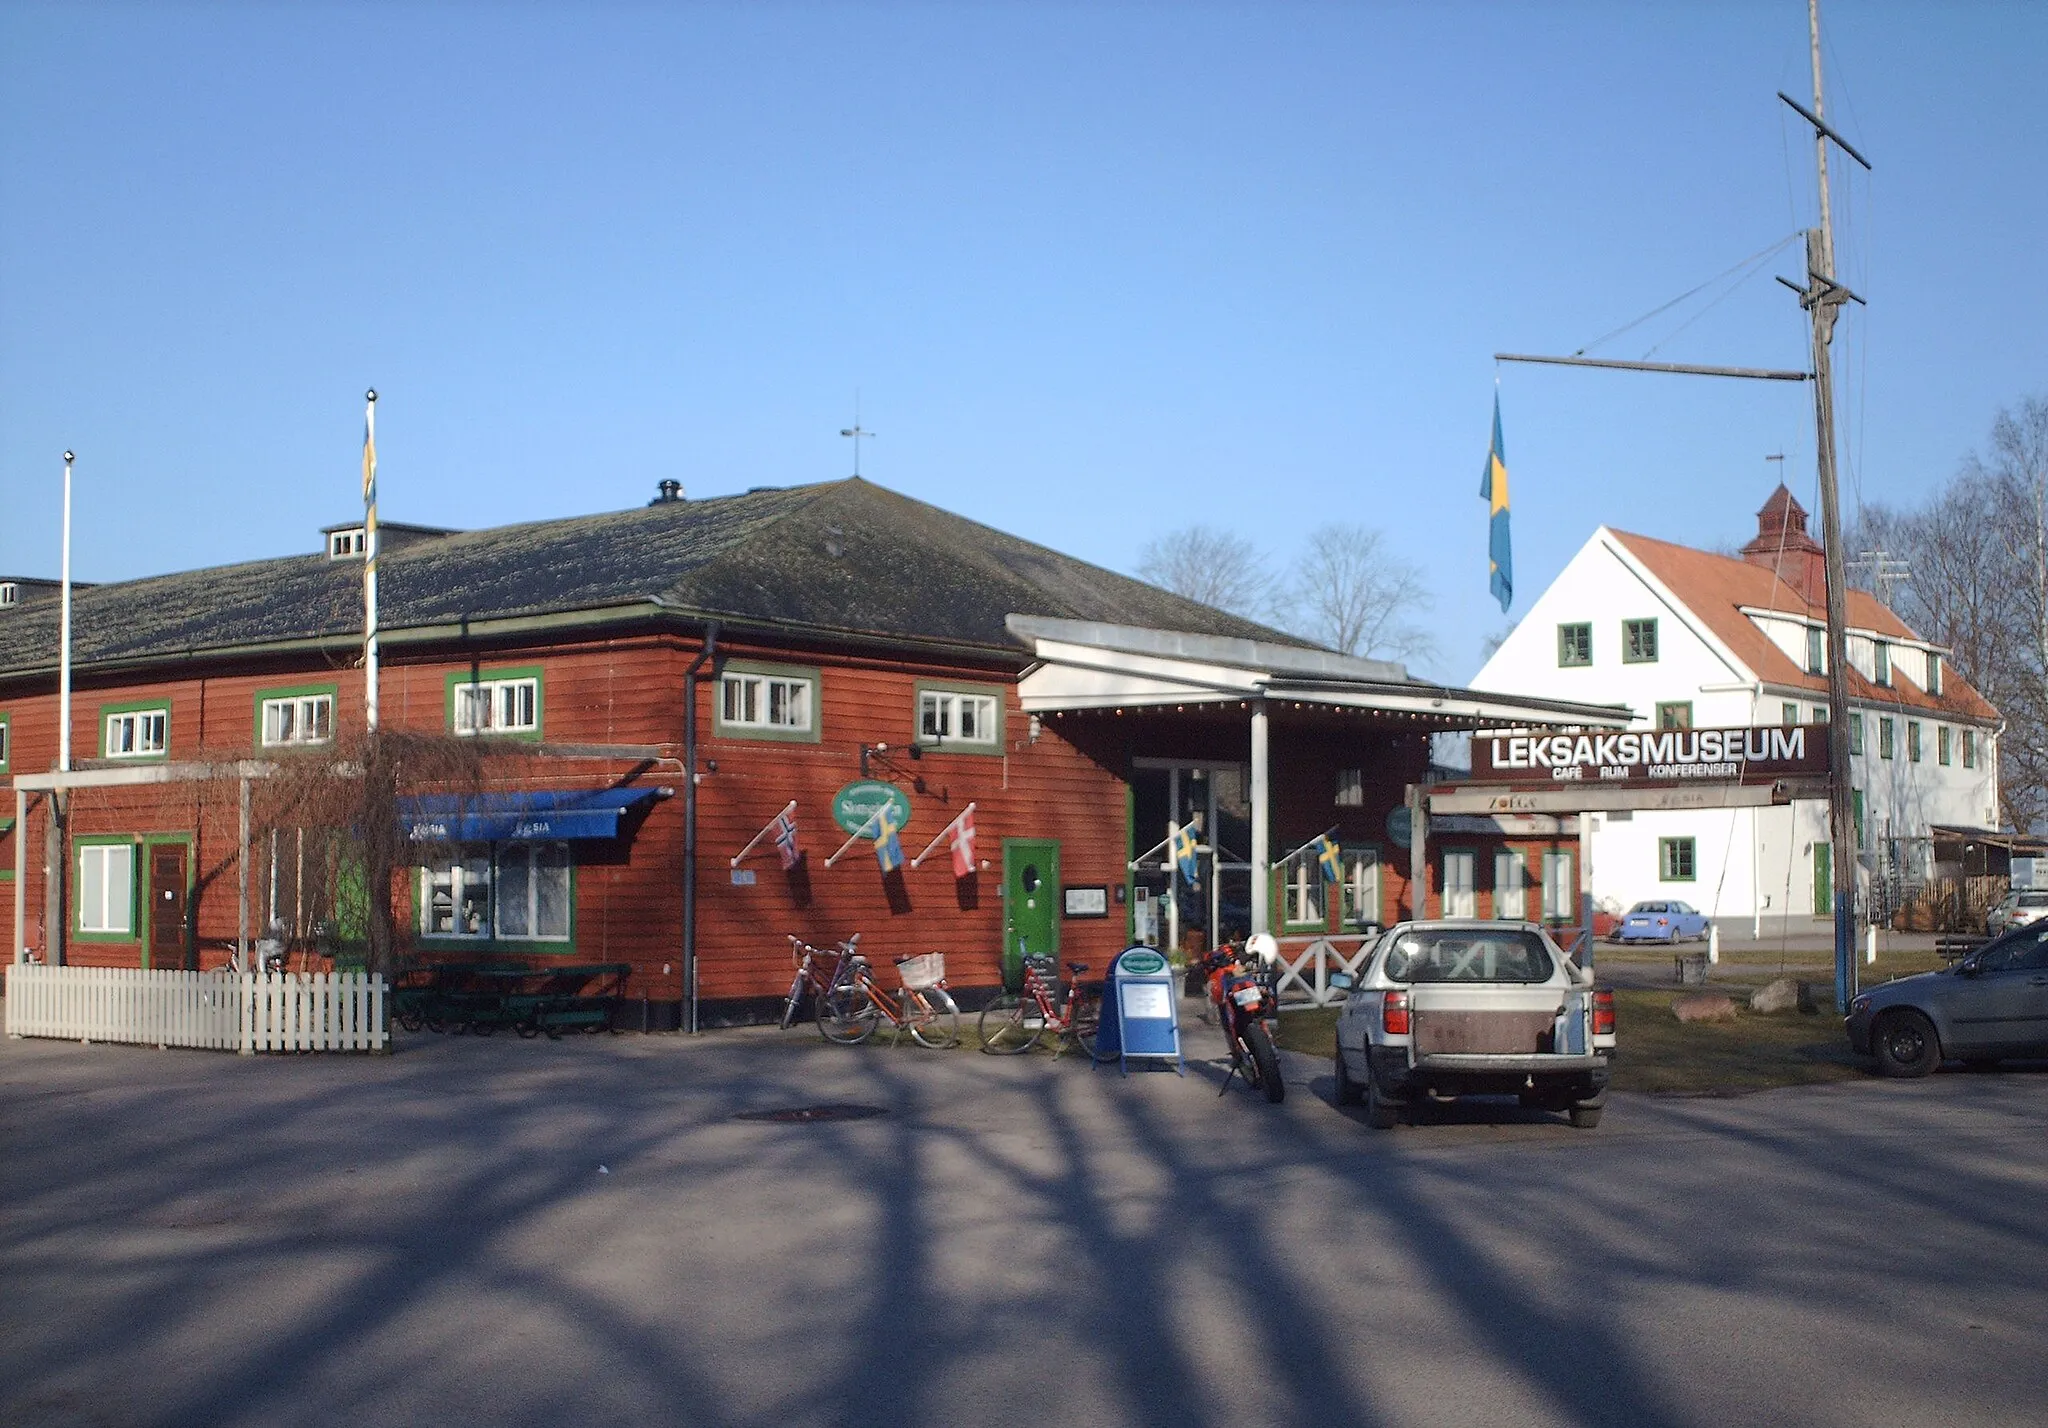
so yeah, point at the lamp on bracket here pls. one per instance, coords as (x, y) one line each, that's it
(880, 755)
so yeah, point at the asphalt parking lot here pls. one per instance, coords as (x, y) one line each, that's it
(515, 1232)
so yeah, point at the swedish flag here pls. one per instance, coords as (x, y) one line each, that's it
(1493, 489)
(1184, 853)
(888, 848)
(1326, 854)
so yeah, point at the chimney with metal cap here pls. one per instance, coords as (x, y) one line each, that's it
(671, 491)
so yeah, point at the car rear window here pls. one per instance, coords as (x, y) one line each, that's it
(1469, 955)
(2034, 900)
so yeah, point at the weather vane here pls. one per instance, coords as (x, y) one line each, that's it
(856, 433)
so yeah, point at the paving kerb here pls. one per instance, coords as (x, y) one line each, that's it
(212, 1239)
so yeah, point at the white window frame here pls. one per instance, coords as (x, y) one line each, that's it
(1464, 888)
(1302, 891)
(137, 725)
(509, 706)
(942, 713)
(1362, 889)
(758, 701)
(348, 544)
(1560, 888)
(1934, 673)
(453, 869)
(306, 712)
(98, 921)
(1510, 892)
(10, 593)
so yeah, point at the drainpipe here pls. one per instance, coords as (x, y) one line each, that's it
(708, 651)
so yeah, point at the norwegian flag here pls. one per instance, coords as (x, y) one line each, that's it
(962, 841)
(785, 840)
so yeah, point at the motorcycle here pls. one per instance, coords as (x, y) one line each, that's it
(1241, 986)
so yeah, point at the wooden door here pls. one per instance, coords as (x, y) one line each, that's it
(168, 875)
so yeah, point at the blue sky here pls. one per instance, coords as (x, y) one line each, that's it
(1096, 271)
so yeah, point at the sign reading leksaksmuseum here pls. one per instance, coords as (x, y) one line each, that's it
(1661, 756)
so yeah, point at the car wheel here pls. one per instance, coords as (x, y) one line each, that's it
(1905, 1044)
(1349, 1092)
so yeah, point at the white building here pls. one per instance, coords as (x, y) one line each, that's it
(1687, 638)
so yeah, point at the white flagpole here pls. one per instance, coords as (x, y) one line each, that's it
(370, 561)
(753, 842)
(942, 833)
(64, 645)
(879, 811)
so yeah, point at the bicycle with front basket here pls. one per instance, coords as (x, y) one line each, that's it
(850, 1012)
(1013, 1023)
(818, 971)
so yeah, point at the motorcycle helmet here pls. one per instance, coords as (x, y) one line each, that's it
(1262, 946)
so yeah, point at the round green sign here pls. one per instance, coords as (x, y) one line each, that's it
(1140, 962)
(1401, 825)
(855, 804)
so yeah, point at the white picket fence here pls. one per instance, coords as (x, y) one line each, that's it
(1307, 962)
(219, 1011)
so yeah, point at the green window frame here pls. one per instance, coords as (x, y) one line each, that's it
(1788, 714)
(1884, 736)
(1639, 641)
(938, 706)
(1913, 740)
(1969, 748)
(1934, 673)
(6, 741)
(92, 917)
(135, 729)
(1820, 713)
(505, 870)
(1816, 650)
(1856, 814)
(301, 700)
(1880, 662)
(497, 694)
(1855, 733)
(743, 685)
(1942, 742)
(1676, 714)
(1574, 645)
(1677, 860)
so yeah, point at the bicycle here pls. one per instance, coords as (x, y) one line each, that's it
(849, 1012)
(1012, 1024)
(808, 960)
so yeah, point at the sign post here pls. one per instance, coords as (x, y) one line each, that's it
(1141, 1014)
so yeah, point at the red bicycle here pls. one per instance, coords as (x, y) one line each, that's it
(818, 971)
(1012, 1024)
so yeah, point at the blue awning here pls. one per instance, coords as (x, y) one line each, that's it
(534, 816)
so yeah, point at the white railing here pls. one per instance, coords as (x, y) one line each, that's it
(1306, 964)
(218, 1011)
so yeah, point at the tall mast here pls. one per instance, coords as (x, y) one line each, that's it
(1823, 298)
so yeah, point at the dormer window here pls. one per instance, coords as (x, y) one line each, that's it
(1933, 671)
(9, 592)
(347, 544)
(1880, 663)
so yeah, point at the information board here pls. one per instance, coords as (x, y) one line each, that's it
(1140, 1013)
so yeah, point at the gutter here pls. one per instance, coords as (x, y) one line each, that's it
(707, 651)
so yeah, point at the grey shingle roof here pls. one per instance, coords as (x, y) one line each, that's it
(844, 556)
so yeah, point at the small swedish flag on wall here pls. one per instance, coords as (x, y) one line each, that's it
(1493, 489)
(1326, 854)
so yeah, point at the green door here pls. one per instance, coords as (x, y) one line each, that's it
(1031, 894)
(1823, 880)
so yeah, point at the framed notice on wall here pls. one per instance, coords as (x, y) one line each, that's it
(1088, 902)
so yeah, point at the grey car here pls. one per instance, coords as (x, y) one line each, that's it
(1992, 1004)
(2016, 910)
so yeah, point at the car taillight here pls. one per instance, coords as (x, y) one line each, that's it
(1603, 1012)
(1394, 1014)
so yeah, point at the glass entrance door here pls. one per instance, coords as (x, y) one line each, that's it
(1212, 801)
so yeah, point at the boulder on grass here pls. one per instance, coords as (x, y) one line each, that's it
(1779, 996)
(1704, 1006)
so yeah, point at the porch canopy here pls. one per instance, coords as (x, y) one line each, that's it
(1081, 665)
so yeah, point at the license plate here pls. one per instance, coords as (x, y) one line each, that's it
(1247, 996)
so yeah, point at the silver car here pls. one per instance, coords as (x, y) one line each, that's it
(2016, 909)
(1990, 1005)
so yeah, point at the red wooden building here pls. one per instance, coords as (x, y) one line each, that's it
(836, 647)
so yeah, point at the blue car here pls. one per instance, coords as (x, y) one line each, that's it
(1662, 922)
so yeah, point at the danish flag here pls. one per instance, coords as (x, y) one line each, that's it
(963, 844)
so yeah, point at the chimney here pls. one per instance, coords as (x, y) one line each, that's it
(671, 492)
(1783, 546)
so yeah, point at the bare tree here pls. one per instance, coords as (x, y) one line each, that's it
(2018, 470)
(1210, 566)
(1349, 592)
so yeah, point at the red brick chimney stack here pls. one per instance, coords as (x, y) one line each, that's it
(1783, 546)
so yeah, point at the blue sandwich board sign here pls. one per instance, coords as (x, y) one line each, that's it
(1141, 1011)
